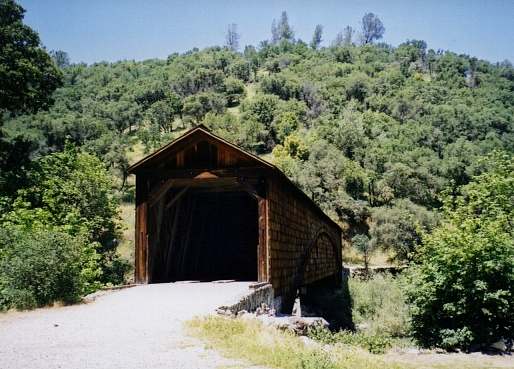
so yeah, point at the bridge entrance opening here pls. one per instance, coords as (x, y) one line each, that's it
(206, 235)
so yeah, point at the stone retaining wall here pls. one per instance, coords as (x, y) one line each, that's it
(261, 293)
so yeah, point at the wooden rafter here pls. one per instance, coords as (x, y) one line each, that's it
(156, 195)
(176, 197)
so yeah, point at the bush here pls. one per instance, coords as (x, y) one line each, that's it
(40, 267)
(71, 192)
(398, 228)
(462, 289)
(377, 343)
(379, 306)
(462, 286)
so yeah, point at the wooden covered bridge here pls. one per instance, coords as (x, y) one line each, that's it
(208, 210)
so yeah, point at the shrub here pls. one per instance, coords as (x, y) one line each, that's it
(40, 267)
(378, 305)
(462, 289)
(377, 343)
(398, 229)
(361, 243)
(71, 192)
(462, 286)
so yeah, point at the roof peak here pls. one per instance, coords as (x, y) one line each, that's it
(201, 126)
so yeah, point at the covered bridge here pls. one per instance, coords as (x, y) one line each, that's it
(208, 210)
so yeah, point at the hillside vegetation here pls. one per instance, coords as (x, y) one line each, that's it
(373, 133)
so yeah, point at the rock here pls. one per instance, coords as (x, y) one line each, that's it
(297, 325)
(308, 341)
(241, 313)
(264, 309)
(503, 345)
(500, 346)
(224, 311)
(301, 325)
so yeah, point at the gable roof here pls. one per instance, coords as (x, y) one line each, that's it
(200, 129)
(148, 160)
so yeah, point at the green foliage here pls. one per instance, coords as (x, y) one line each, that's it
(284, 125)
(380, 315)
(373, 133)
(163, 112)
(197, 106)
(399, 228)
(462, 284)
(28, 75)
(265, 346)
(262, 109)
(38, 267)
(375, 344)
(379, 305)
(362, 244)
(71, 192)
(235, 91)
(241, 70)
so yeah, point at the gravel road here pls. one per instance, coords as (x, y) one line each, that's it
(139, 327)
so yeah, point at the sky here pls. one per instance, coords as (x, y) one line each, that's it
(110, 30)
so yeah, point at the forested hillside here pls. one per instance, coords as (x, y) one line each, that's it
(374, 133)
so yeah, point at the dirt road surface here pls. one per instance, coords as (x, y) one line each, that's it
(139, 327)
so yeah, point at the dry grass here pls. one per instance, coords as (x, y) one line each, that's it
(136, 152)
(353, 258)
(251, 341)
(126, 246)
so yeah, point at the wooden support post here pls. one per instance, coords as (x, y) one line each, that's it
(141, 240)
(262, 250)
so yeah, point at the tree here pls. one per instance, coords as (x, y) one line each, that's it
(275, 36)
(262, 108)
(285, 124)
(462, 283)
(71, 192)
(198, 105)
(398, 228)
(163, 112)
(338, 41)
(472, 73)
(27, 74)
(60, 58)
(344, 38)
(361, 243)
(372, 28)
(28, 77)
(348, 33)
(317, 37)
(232, 38)
(281, 30)
(234, 90)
